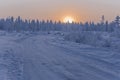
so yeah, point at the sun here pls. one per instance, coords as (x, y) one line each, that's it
(68, 19)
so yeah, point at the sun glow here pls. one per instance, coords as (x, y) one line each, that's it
(68, 19)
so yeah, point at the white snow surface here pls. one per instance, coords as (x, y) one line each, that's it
(42, 56)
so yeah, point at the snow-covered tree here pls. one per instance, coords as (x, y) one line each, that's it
(18, 24)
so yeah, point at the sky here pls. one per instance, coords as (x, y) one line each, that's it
(80, 10)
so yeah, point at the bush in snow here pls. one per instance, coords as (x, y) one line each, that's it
(90, 38)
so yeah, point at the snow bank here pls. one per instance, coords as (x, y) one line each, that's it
(97, 39)
(11, 66)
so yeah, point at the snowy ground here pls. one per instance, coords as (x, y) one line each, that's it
(44, 56)
(11, 67)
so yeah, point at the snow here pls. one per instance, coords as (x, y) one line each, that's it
(10, 62)
(43, 56)
(96, 39)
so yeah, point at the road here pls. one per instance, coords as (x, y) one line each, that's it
(47, 59)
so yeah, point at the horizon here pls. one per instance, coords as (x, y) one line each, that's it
(80, 10)
(59, 21)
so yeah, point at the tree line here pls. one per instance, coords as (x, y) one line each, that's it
(18, 24)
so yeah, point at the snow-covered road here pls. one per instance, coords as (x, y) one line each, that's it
(49, 57)
(45, 58)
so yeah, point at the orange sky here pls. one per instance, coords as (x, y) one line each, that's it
(81, 10)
